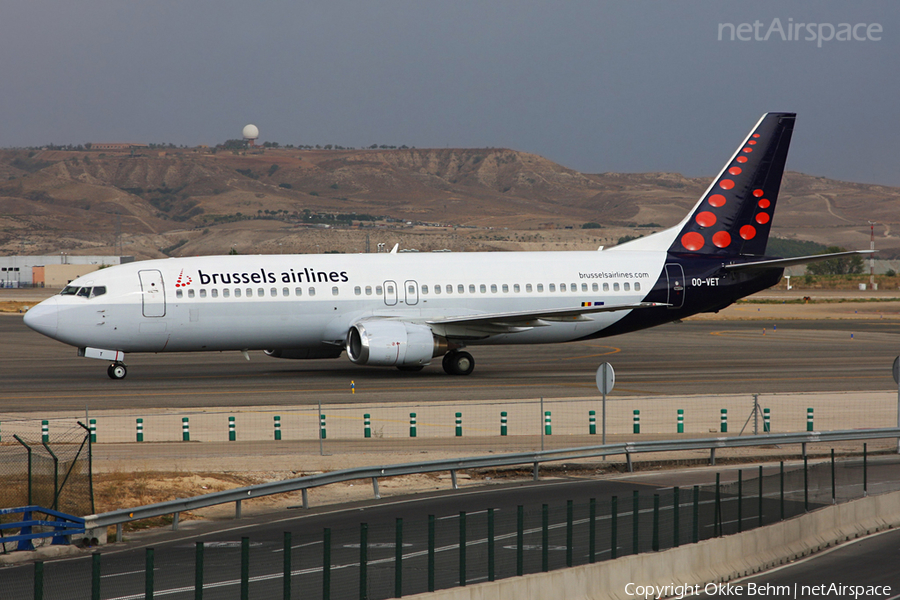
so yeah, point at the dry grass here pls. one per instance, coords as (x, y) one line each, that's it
(113, 491)
(15, 307)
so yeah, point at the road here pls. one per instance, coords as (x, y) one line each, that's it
(869, 562)
(863, 562)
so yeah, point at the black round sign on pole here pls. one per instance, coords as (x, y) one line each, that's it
(606, 380)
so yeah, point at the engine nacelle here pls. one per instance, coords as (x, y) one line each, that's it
(323, 351)
(393, 343)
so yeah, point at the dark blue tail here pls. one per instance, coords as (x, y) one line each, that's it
(734, 215)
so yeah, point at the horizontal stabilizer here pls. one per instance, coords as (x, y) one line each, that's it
(780, 263)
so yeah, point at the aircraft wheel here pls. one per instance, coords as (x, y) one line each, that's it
(447, 363)
(458, 363)
(410, 368)
(117, 371)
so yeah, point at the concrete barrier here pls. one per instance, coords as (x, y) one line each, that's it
(711, 561)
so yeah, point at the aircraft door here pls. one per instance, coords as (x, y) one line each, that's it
(412, 292)
(154, 293)
(675, 278)
(390, 293)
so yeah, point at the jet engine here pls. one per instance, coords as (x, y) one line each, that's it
(393, 343)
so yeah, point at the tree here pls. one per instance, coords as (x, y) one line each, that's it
(842, 265)
(234, 144)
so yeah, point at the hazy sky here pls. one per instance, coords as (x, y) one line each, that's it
(596, 86)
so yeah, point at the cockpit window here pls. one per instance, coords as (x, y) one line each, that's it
(84, 292)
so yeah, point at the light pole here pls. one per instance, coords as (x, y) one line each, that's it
(872, 225)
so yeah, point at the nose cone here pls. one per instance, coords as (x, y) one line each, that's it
(44, 318)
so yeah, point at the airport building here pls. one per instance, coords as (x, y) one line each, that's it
(52, 271)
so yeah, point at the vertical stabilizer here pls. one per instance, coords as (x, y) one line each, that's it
(733, 217)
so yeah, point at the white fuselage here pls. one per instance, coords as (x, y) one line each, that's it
(297, 301)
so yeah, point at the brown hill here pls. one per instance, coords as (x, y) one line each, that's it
(195, 201)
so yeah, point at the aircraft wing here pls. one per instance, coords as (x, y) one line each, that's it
(519, 321)
(780, 263)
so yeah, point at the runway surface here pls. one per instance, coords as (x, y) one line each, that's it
(694, 357)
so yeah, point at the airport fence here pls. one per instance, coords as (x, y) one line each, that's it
(51, 471)
(374, 559)
(454, 425)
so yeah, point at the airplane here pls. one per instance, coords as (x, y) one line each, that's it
(405, 309)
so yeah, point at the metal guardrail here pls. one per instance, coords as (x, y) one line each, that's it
(174, 507)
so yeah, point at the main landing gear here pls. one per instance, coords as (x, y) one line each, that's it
(117, 370)
(458, 363)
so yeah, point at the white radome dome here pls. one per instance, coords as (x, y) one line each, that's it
(251, 132)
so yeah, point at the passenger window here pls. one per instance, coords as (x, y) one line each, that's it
(237, 292)
(505, 288)
(460, 289)
(616, 286)
(627, 286)
(378, 290)
(471, 288)
(412, 290)
(261, 292)
(605, 287)
(637, 286)
(312, 291)
(190, 293)
(203, 293)
(285, 292)
(368, 290)
(594, 287)
(528, 288)
(272, 292)
(226, 293)
(493, 288)
(179, 293)
(390, 289)
(516, 288)
(334, 291)
(552, 287)
(249, 293)
(562, 287)
(215, 293)
(357, 291)
(483, 288)
(437, 289)
(298, 291)
(99, 290)
(540, 287)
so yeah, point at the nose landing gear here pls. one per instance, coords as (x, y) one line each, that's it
(458, 363)
(117, 370)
